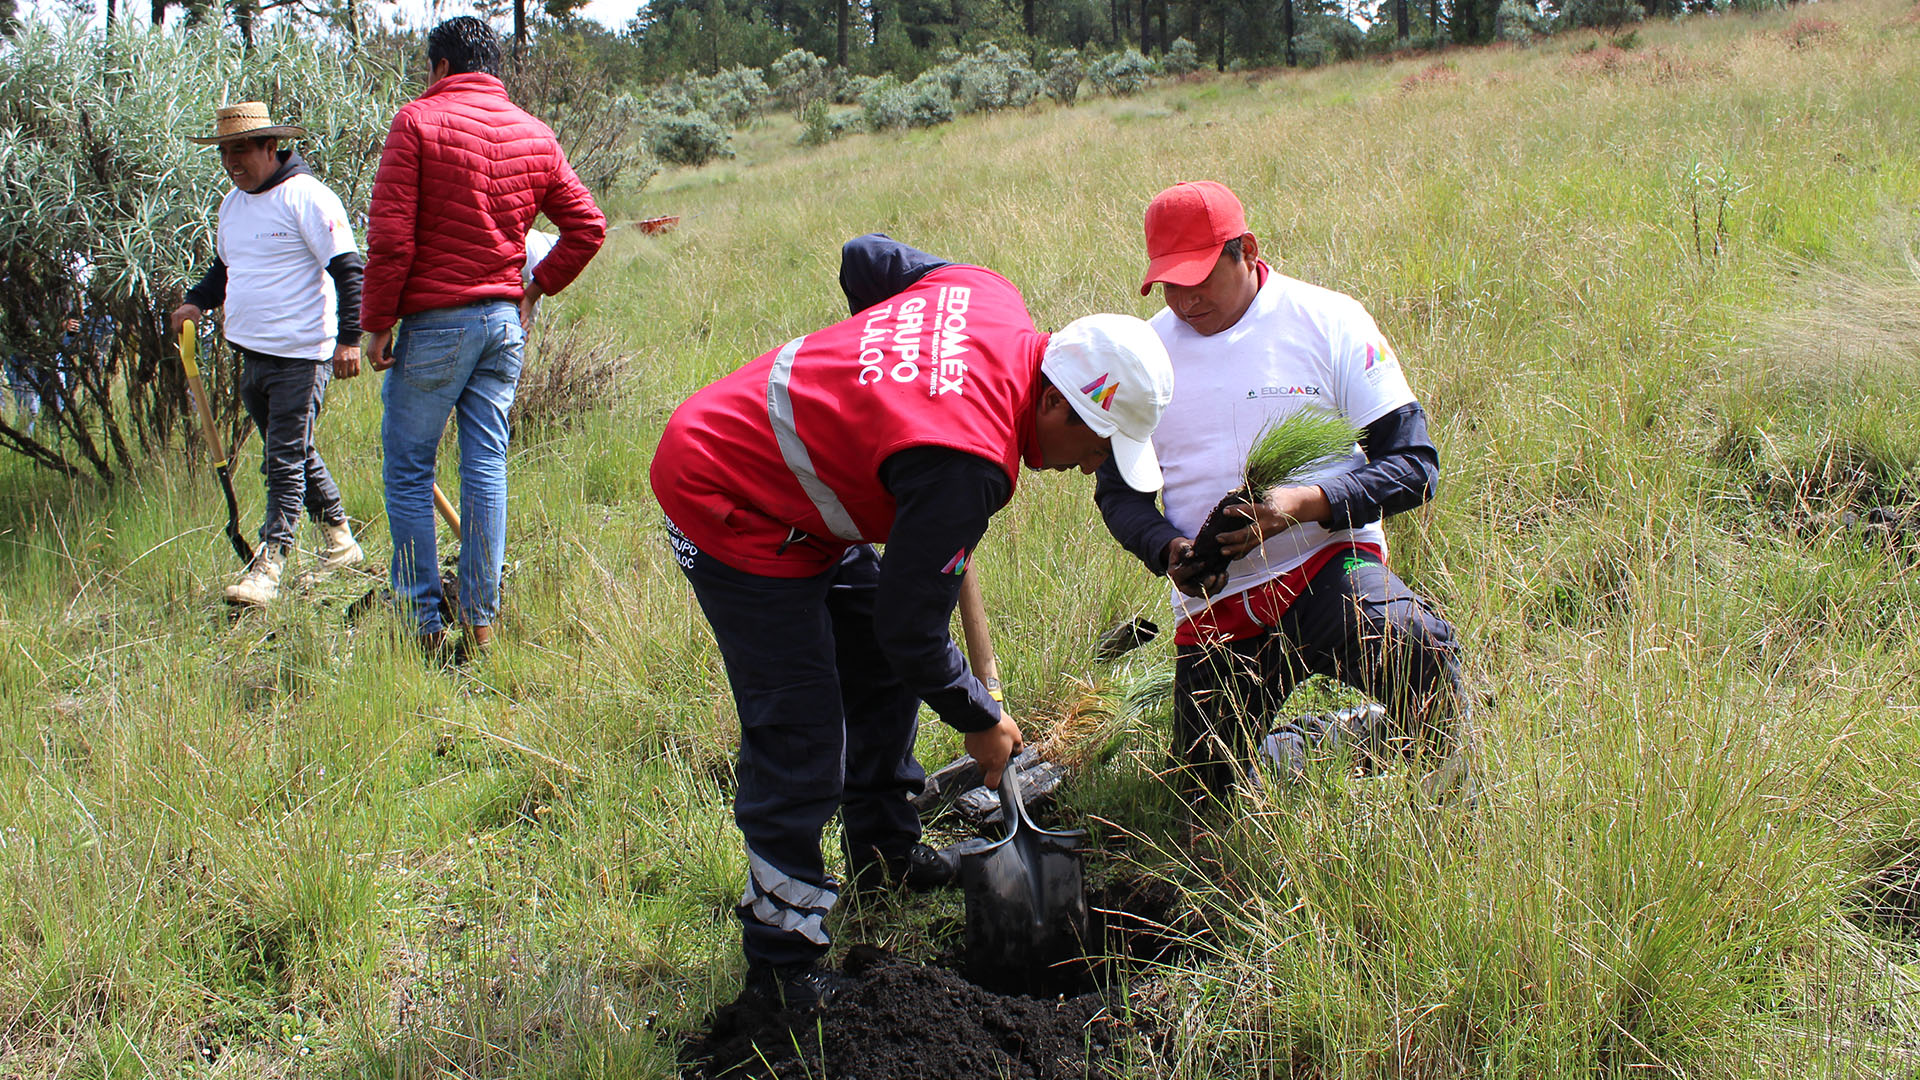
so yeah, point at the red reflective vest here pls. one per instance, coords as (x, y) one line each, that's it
(775, 469)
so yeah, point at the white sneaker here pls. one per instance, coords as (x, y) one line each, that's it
(342, 549)
(260, 584)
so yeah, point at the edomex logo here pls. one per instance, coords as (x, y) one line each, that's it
(1101, 390)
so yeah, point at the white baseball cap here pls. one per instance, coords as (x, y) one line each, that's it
(1115, 372)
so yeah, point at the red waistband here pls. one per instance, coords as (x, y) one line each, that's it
(1258, 610)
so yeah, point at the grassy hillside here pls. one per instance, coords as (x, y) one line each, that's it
(1660, 303)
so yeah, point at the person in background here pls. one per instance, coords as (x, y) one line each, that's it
(462, 175)
(287, 273)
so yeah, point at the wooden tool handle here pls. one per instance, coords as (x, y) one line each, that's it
(447, 511)
(973, 625)
(189, 353)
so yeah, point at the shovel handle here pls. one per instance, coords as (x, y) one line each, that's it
(973, 625)
(189, 362)
(447, 511)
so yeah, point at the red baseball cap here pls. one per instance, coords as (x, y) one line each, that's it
(1187, 225)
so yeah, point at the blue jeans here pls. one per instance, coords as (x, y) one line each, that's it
(463, 361)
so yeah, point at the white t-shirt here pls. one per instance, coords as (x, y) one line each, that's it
(277, 245)
(1297, 346)
(539, 244)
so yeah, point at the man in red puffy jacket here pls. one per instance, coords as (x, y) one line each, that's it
(462, 174)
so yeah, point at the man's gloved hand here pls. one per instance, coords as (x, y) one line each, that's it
(1185, 573)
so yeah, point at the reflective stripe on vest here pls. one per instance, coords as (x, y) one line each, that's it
(794, 452)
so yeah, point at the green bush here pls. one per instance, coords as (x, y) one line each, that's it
(1064, 73)
(883, 104)
(816, 123)
(929, 102)
(107, 212)
(732, 97)
(888, 106)
(1182, 57)
(1119, 74)
(992, 79)
(690, 139)
(800, 78)
(1519, 23)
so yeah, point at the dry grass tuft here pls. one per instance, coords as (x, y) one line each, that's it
(1659, 67)
(1809, 30)
(572, 374)
(1855, 322)
(1437, 74)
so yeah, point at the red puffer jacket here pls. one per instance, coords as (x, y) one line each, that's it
(462, 174)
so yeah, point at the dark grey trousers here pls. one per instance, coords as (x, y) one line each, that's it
(1357, 623)
(283, 396)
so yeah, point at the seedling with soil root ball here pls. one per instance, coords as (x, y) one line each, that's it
(1283, 453)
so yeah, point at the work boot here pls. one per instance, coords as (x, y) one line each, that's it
(260, 584)
(342, 549)
(475, 642)
(795, 987)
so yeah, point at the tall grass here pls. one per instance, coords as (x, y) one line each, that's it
(1637, 299)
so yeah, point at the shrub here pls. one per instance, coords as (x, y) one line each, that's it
(799, 77)
(1119, 74)
(929, 102)
(889, 106)
(731, 97)
(1064, 73)
(883, 104)
(1576, 14)
(816, 125)
(691, 139)
(1518, 22)
(570, 374)
(1182, 57)
(992, 79)
(107, 212)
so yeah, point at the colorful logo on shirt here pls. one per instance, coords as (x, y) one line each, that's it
(957, 564)
(1101, 391)
(1373, 354)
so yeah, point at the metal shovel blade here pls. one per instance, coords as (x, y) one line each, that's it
(1026, 905)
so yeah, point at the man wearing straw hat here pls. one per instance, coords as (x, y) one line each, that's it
(286, 271)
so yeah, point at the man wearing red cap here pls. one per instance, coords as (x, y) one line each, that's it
(907, 424)
(1308, 591)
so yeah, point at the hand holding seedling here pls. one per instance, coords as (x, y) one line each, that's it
(1188, 574)
(1282, 509)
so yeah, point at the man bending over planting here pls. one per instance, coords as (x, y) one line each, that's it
(907, 424)
(289, 276)
(1300, 585)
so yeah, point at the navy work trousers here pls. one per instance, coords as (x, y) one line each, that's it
(825, 725)
(1356, 622)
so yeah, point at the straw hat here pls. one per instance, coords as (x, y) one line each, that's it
(247, 120)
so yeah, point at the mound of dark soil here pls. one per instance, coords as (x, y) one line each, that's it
(903, 1021)
(906, 1021)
